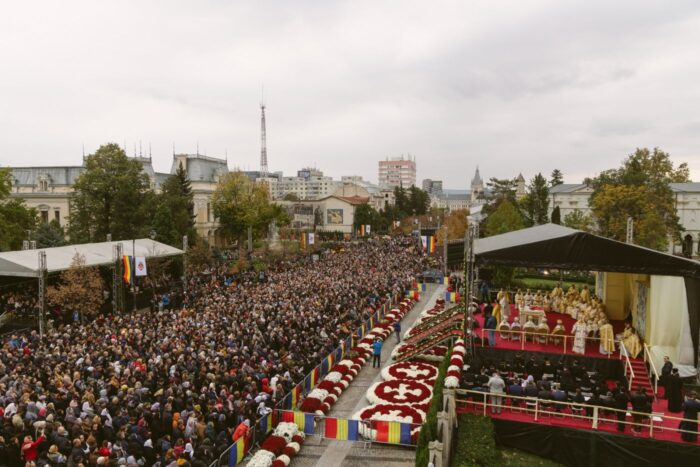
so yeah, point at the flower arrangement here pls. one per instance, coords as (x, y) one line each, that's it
(262, 458)
(274, 444)
(415, 371)
(389, 413)
(399, 392)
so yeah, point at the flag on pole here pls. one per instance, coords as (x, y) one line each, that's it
(424, 241)
(140, 267)
(362, 230)
(368, 229)
(431, 244)
(302, 241)
(128, 272)
(312, 238)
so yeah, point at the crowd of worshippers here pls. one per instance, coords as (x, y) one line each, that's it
(20, 300)
(177, 386)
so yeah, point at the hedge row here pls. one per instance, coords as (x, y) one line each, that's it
(428, 431)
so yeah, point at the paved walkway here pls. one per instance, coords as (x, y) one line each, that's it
(324, 453)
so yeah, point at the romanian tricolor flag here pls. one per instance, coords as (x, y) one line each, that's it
(444, 280)
(266, 424)
(392, 432)
(362, 230)
(414, 294)
(423, 287)
(296, 395)
(431, 244)
(341, 429)
(452, 297)
(238, 452)
(305, 421)
(314, 377)
(128, 271)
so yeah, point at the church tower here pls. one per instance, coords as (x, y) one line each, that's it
(477, 186)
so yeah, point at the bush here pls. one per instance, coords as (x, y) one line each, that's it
(476, 444)
(428, 431)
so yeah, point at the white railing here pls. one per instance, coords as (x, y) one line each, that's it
(652, 368)
(629, 371)
(535, 338)
(480, 401)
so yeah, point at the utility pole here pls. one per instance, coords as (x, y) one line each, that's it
(184, 264)
(42, 292)
(133, 270)
(116, 278)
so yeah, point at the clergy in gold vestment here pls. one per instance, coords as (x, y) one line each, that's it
(631, 341)
(607, 339)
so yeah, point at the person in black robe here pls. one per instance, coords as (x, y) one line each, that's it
(665, 373)
(674, 391)
(691, 407)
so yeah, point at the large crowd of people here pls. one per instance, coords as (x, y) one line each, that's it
(174, 385)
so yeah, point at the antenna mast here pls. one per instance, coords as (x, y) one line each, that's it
(263, 141)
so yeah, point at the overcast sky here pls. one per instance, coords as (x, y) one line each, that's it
(520, 86)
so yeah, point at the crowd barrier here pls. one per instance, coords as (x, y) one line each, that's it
(289, 402)
(596, 415)
(343, 429)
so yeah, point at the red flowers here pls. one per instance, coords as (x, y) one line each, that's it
(399, 392)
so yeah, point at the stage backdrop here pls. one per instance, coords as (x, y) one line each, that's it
(668, 328)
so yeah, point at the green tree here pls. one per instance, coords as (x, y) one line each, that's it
(557, 178)
(640, 189)
(80, 289)
(49, 235)
(112, 196)
(505, 218)
(367, 215)
(556, 215)
(419, 201)
(535, 204)
(174, 215)
(502, 189)
(15, 218)
(576, 219)
(240, 203)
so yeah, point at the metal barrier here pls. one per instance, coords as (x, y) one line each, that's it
(343, 429)
(595, 414)
(289, 401)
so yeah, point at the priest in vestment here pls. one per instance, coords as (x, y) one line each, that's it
(631, 341)
(607, 339)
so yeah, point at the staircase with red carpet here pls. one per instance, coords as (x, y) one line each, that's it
(641, 376)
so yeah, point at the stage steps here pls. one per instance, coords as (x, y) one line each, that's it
(641, 376)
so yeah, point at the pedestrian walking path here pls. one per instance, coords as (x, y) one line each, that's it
(324, 453)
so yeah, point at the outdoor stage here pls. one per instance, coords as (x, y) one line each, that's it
(664, 422)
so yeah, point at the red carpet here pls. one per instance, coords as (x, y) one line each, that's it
(592, 347)
(606, 423)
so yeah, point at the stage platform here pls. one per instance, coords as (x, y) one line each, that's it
(665, 423)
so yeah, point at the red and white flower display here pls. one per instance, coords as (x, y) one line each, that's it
(389, 413)
(399, 392)
(411, 371)
(454, 371)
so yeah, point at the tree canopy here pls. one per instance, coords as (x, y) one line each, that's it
(576, 219)
(557, 178)
(556, 215)
(79, 289)
(535, 204)
(174, 215)
(506, 218)
(240, 203)
(639, 189)
(112, 196)
(15, 218)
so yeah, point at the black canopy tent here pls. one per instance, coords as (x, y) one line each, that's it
(557, 247)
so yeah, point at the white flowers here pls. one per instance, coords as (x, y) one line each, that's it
(284, 459)
(334, 376)
(319, 394)
(451, 382)
(262, 458)
(287, 431)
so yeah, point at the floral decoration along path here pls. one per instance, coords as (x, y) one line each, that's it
(353, 399)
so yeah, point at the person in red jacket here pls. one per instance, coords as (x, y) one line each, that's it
(241, 430)
(30, 448)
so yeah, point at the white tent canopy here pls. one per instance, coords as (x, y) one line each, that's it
(25, 263)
